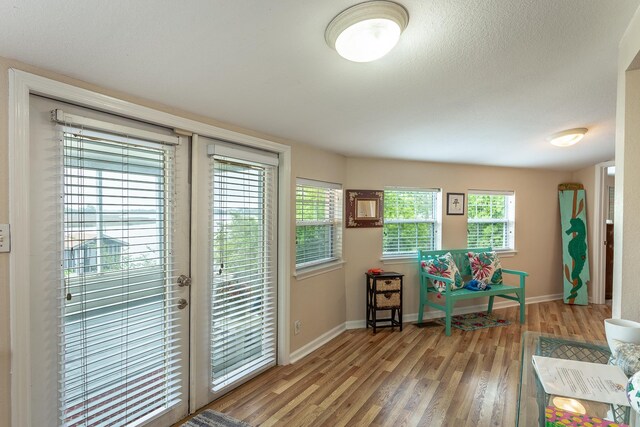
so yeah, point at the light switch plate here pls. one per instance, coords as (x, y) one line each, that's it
(5, 238)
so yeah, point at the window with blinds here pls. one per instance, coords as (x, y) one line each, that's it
(243, 262)
(411, 221)
(318, 223)
(491, 220)
(118, 329)
(612, 203)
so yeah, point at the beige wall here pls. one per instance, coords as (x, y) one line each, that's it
(317, 301)
(626, 301)
(537, 223)
(629, 233)
(587, 177)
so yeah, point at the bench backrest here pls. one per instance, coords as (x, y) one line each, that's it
(459, 257)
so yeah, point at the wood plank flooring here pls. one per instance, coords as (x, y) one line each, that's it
(417, 377)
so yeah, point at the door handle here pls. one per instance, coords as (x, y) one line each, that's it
(184, 281)
(182, 303)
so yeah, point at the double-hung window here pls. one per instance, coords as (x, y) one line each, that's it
(491, 220)
(411, 221)
(318, 223)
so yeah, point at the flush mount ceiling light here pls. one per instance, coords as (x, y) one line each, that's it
(567, 137)
(367, 31)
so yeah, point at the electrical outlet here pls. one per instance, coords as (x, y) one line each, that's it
(296, 327)
(5, 238)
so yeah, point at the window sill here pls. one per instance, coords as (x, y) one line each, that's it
(317, 270)
(410, 259)
(507, 253)
(401, 259)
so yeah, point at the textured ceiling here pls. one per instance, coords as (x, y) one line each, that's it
(470, 81)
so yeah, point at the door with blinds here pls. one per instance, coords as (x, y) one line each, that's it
(237, 246)
(110, 258)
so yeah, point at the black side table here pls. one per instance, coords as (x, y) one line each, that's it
(384, 292)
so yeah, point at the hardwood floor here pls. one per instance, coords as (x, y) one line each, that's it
(417, 377)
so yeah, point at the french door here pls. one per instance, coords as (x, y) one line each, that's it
(110, 239)
(118, 336)
(236, 266)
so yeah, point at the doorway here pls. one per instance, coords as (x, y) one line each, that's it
(603, 221)
(609, 195)
(110, 233)
(236, 213)
(90, 173)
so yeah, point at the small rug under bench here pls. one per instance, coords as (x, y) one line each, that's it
(470, 321)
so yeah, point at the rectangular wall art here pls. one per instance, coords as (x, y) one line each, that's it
(575, 255)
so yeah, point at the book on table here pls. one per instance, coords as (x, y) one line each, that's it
(555, 417)
(582, 380)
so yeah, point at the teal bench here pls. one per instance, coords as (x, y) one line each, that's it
(515, 293)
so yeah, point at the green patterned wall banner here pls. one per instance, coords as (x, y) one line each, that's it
(575, 255)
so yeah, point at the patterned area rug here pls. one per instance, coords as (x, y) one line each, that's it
(473, 321)
(211, 418)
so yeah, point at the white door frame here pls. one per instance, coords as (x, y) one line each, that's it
(601, 198)
(21, 85)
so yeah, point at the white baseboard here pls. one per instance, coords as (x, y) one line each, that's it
(435, 314)
(412, 317)
(317, 343)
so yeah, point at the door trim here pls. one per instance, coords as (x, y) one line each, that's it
(601, 198)
(23, 84)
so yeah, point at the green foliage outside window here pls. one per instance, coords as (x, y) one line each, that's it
(409, 221)
(237, 245)
(488, 221)
(318, 226)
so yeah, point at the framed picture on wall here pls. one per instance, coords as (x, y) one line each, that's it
(364, 208)
(455, 203)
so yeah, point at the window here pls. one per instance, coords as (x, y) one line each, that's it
(318, 223)
(411, 221)
(612, 199)
(491, 220)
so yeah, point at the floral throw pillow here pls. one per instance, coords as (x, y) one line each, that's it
(485, 267)
(443, 266)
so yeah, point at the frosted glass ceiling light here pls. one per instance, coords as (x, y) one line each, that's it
(367, 31)
(567, 137)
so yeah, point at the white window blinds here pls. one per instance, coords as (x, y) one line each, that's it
(318, 222)
(612, 199)
(243, 262)
(491, 219)
(411, 221)
(118, 363)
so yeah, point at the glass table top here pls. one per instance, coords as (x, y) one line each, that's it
(532, 399)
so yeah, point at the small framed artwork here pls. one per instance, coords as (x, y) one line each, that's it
(455, 203)
(363, 208)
